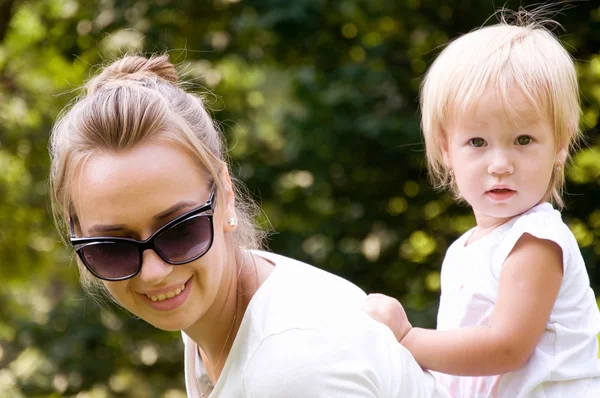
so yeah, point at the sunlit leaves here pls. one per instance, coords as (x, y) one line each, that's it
(586, 166)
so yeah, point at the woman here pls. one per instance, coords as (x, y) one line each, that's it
(140, 187)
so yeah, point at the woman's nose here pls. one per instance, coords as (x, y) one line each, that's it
(154, 269)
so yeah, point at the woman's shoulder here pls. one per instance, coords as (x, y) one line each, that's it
(296, 278)
(359, 358)
(299, 296)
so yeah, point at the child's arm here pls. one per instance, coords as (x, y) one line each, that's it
(389, 311)
(529, 283)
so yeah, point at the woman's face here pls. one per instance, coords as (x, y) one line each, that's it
(132, 194)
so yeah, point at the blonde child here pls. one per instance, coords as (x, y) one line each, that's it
(517, 316)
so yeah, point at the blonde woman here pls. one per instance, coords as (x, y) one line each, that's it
(142, 193)
(517, 316)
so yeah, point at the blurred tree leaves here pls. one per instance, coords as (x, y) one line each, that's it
(318, 100)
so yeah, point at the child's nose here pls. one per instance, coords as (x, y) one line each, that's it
(500, 164)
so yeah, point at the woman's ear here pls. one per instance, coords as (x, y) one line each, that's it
(228, 200)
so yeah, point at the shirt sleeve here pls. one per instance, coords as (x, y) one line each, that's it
(366, 361)
(542, 225)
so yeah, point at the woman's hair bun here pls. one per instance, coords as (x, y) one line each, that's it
(135, 67)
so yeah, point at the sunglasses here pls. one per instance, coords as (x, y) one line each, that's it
(180, 241)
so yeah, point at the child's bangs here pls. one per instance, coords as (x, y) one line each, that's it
(504, 79)
(513, 60)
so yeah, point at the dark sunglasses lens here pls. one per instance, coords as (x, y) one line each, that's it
(185, 241)
(111, 260)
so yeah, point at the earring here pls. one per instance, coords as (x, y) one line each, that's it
(232, 222)
(557, 168)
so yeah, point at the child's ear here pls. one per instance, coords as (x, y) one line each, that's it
(446, 158)
(443, 143)
(561, 156)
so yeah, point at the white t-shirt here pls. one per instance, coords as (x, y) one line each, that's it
(565, 362)
(304, 335)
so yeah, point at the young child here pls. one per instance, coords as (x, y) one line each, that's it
(517, 316)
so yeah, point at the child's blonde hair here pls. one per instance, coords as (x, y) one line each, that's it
(132, 100)
(502, 57)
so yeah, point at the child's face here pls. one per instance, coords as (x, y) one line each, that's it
(502, 167)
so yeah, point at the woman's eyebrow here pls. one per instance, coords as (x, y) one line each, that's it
(175, 208)
(99, 229)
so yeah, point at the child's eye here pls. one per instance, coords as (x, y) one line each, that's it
(523, 140)
(477, 142)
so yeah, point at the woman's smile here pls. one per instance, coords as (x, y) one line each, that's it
(168, 299)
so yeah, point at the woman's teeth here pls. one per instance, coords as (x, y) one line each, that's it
(164, 296)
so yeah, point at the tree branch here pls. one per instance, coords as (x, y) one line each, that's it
(6, 7)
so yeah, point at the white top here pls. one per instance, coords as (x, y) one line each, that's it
(565, 362)
(304, 335)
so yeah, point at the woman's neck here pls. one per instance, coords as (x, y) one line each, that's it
(216, 331)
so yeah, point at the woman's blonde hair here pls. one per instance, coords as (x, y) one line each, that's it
(132, 100)
(523, 55)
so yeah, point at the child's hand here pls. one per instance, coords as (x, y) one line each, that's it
(388, 311)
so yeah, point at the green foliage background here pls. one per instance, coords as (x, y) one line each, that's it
(317, 99)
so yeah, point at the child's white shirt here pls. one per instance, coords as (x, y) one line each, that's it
(565, 362)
